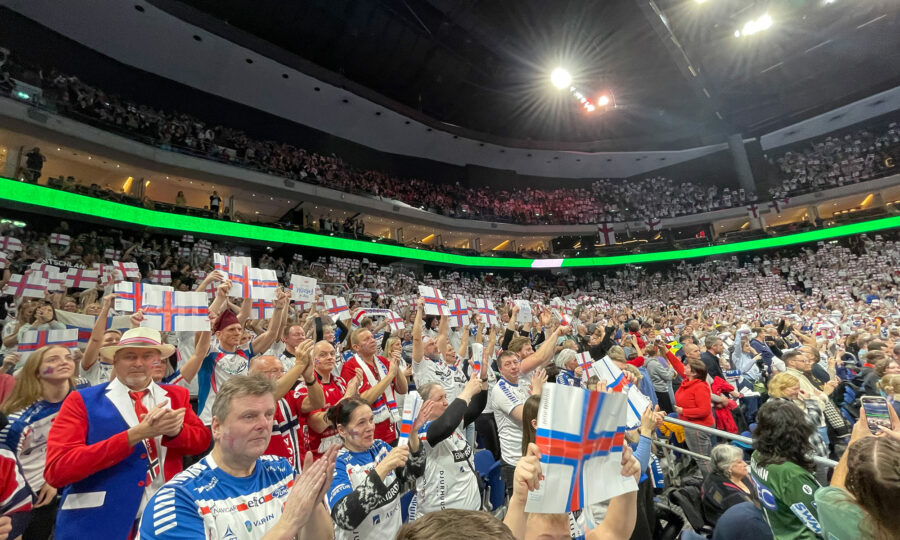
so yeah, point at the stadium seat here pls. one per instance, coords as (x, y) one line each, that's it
(688, 499)
(494, 495)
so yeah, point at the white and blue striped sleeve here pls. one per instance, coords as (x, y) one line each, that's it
(172, 515)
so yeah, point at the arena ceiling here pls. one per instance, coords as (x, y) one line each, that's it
(676, 70)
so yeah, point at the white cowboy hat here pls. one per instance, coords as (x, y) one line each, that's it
(139, 338)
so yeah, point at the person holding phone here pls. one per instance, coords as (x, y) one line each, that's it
(860, 503)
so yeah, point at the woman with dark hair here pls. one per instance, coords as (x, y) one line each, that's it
(782, 469)
(694, 404)
(861, 502)
(369, 475)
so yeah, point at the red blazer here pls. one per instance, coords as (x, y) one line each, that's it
(70, 459)
(693, 397)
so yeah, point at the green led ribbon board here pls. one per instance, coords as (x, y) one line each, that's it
(35, 197)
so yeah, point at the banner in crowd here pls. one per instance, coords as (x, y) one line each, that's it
(33, 340)
(303, 289)
(84, 324)
(524, 316)
(581, 435)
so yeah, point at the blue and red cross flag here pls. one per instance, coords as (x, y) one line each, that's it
(175, 311)
(35, 339)
(585, 360)
(31, 284)
(262, 309)
(411, 407)
(239, 274)
(581, 435)
(435, 304)
(263, 284)
(130, 295)
(222, 263)
(485, 308)
(615, 379)
(459, 311)
(336, 306)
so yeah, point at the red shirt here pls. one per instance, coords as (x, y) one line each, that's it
(334, 391)
(384, 430)
(693, 396)
(288, 436)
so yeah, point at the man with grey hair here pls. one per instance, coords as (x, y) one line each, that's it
(236, 491)
(714, 349)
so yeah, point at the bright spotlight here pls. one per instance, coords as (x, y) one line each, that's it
(603, 100)
(764, 22)
(560, 78)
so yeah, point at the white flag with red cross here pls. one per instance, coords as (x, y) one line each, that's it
(33, 284)
(33, 340)
(175, 311)
(435, 304)
(336, 306)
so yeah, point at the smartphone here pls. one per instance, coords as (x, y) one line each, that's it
(877, 412)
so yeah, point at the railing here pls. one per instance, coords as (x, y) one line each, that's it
(724, 435)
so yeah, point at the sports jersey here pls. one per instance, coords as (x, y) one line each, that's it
(288, 436)
(217, 367)
(334, 390)
(203, 501)
(505, 397)
(384, 408)
(377, 508)
(26, 435)
(98, 373)
(449, 480)
(568, 378)
(14, 493)
(451, 378)
(786, 493)
(287, 360)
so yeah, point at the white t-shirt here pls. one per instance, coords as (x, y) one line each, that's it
(449, 480)
(451, 378)
(98, 373)
(505, 397)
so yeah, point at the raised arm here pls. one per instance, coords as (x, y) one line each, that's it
(265, 340)
(545, 352)
(191, 366)
(418, 347)
(287, 381)
(92, 350)
(443, 337)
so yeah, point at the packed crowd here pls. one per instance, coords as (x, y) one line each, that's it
(828, 163)
(317, 410)
(838, 161)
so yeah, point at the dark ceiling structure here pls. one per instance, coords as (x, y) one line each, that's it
(678, 74)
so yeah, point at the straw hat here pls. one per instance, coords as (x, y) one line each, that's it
(139, 338)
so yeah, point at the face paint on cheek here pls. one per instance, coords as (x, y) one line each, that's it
(47, 371)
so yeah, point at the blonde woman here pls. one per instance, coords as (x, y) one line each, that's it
(889, 386)
(44, 382)
(786, 387)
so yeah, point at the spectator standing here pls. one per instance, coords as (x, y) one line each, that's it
(34, 162)
(694, 404)
(215, 202)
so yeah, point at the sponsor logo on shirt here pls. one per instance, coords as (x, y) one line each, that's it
(802, 512)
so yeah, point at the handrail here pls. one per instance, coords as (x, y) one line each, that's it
(731, 436)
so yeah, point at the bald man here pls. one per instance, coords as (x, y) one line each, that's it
(295, 400)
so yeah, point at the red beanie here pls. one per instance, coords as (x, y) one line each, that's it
(226, 319)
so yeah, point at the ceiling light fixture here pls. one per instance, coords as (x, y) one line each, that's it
(560, 78)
